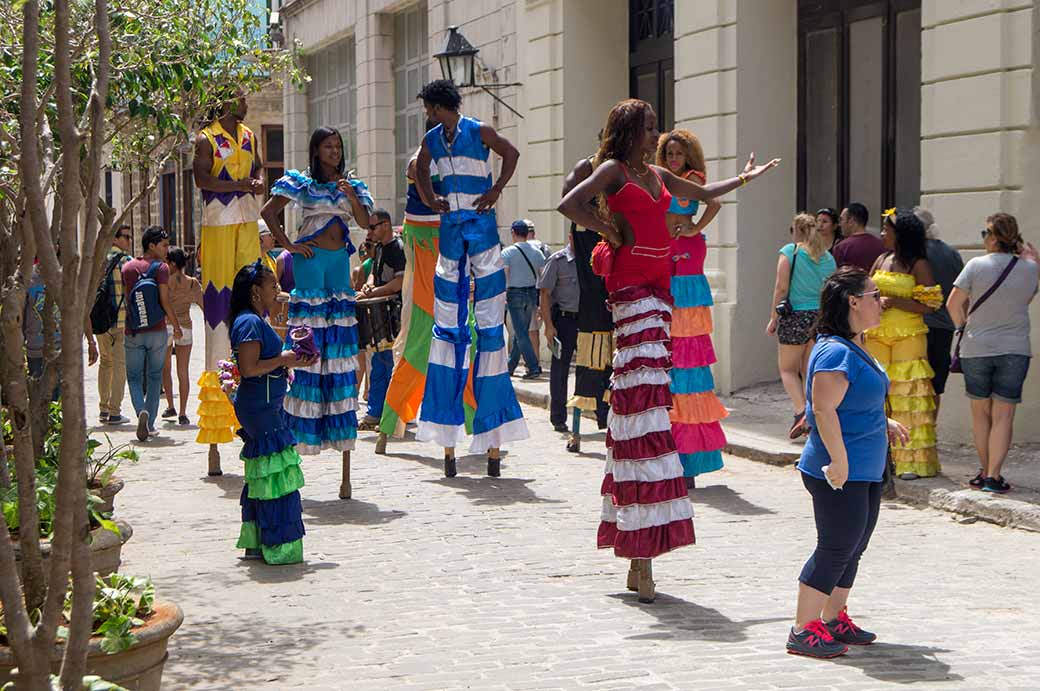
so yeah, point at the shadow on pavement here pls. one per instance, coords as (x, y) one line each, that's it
(902, 664)
(227, 653)
(681, 620)
(229, 483)
(722, 498)
(276, 573)
(494, 491)
(352, 511)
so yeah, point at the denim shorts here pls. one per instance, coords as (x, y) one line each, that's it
(995, 376)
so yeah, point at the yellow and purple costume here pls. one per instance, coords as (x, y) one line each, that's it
(230, 240)
(900, 344)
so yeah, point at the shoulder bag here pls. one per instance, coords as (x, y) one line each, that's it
(784, 307)
(955, 362)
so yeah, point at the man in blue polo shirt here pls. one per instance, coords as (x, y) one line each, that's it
(524, 263)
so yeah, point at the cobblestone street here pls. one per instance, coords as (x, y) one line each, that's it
(478, 583)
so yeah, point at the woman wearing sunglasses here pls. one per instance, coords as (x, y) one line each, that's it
(994, 342)
(908, 292)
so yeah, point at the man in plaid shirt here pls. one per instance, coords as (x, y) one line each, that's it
(112, 369)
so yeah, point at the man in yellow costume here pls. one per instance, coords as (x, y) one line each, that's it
(227, 170)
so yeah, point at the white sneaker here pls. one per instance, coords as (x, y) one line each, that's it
(142, 426)
(153, 432)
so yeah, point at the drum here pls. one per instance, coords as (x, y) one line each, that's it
(379, 321)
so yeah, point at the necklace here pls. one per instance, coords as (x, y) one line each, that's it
(645, 170)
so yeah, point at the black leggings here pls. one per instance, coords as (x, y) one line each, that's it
(844, 522)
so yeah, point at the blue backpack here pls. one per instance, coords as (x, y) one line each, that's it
(143, 309)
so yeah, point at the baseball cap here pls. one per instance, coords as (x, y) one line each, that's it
(523, 226)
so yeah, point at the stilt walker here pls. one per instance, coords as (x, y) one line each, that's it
(321, 405)
(412, 349)
(227, 169)
(646, 510)
(595, 338)
(469, 241)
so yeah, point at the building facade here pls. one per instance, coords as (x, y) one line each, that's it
(888, 102)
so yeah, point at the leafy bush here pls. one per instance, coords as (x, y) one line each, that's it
(91, 682)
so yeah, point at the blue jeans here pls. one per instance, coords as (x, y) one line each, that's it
(380, 367)
(145, 357)
(995, 376)
(522, 302)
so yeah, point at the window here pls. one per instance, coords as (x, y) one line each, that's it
(411, 71)
(332, 94)
(188, 217)
(274, 158)
(859, 103)
(651, 53)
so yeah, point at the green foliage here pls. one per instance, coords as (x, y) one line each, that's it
(91, 682)
(45, 482)
(120, 604)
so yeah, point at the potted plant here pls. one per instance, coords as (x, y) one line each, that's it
(91, 682)
(101, 472)
(129, 635)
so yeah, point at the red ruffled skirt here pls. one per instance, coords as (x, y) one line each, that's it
(646, 510)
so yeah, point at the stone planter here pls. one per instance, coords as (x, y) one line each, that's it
(108, 495)
(105, 549)
(138, 669)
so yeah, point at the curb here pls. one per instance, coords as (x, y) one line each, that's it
(937, 493)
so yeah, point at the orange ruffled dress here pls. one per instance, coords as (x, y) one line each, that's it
(900, 344)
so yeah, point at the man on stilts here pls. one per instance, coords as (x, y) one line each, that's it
(459, 147)
(227, 169)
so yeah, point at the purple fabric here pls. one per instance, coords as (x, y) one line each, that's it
(216, 305)
(303, 341)
(288, 280)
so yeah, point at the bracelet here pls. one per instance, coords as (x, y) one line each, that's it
(743, 180)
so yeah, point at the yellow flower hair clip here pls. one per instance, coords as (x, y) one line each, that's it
(889, 212)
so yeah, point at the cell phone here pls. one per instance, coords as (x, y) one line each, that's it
(556, 347)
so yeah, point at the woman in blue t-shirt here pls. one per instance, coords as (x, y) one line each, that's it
(842, 462)
(272, 513)
(803, 266)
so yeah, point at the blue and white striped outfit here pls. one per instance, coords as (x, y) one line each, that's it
(321, 405)
(468, 242)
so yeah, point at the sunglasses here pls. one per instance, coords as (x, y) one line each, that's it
(986, 232)
(376, 225)
(876, 294)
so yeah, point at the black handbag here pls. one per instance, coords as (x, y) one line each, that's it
(784, 307)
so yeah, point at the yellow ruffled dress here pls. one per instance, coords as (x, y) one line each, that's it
(900, 344)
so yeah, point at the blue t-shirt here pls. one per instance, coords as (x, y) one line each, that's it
(808, 278)
(519, 273)
(249, 326)
(861, 413)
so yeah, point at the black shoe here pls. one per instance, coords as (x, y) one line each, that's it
(815, 640)
(169, 412)
(494, 467)
(183, 420)
(997, 485)
(253, 553)
(845, 631)
(449, 467)
(561, 428)
(978, 481)
(117, 419)
(532, 375)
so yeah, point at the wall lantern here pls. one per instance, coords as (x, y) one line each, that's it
(458, 63)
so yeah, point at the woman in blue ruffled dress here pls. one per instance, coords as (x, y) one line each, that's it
(272, 514)
(321, 406)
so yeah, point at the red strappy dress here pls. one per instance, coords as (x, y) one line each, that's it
(646, 510)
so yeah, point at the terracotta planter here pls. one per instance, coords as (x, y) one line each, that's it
(138, 669)
(108, 495)
(105, 548)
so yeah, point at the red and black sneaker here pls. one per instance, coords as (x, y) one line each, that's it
(845, 631)
(815, 640)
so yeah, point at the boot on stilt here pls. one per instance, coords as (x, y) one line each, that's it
(450, 470)
(381, 444)
(214, 461)
(647, 587)
(345, 490)
(494, 468)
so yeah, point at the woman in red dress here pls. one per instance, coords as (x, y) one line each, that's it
(646, 510)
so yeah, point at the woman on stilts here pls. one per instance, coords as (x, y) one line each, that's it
(696, 410)
(272, 514)
(646, 509)
(321, 406)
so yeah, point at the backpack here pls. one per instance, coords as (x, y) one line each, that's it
(105, 312)
(143, 310)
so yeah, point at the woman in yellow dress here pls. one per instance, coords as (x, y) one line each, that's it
(907, 292)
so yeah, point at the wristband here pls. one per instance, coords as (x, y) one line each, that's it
(743, 179)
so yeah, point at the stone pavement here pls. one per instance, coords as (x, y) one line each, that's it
(757, 429)
(476, 583)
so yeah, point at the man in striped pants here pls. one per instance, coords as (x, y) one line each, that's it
(459, 147)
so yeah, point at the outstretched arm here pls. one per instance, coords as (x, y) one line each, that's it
(681, 187)
(504, 148)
